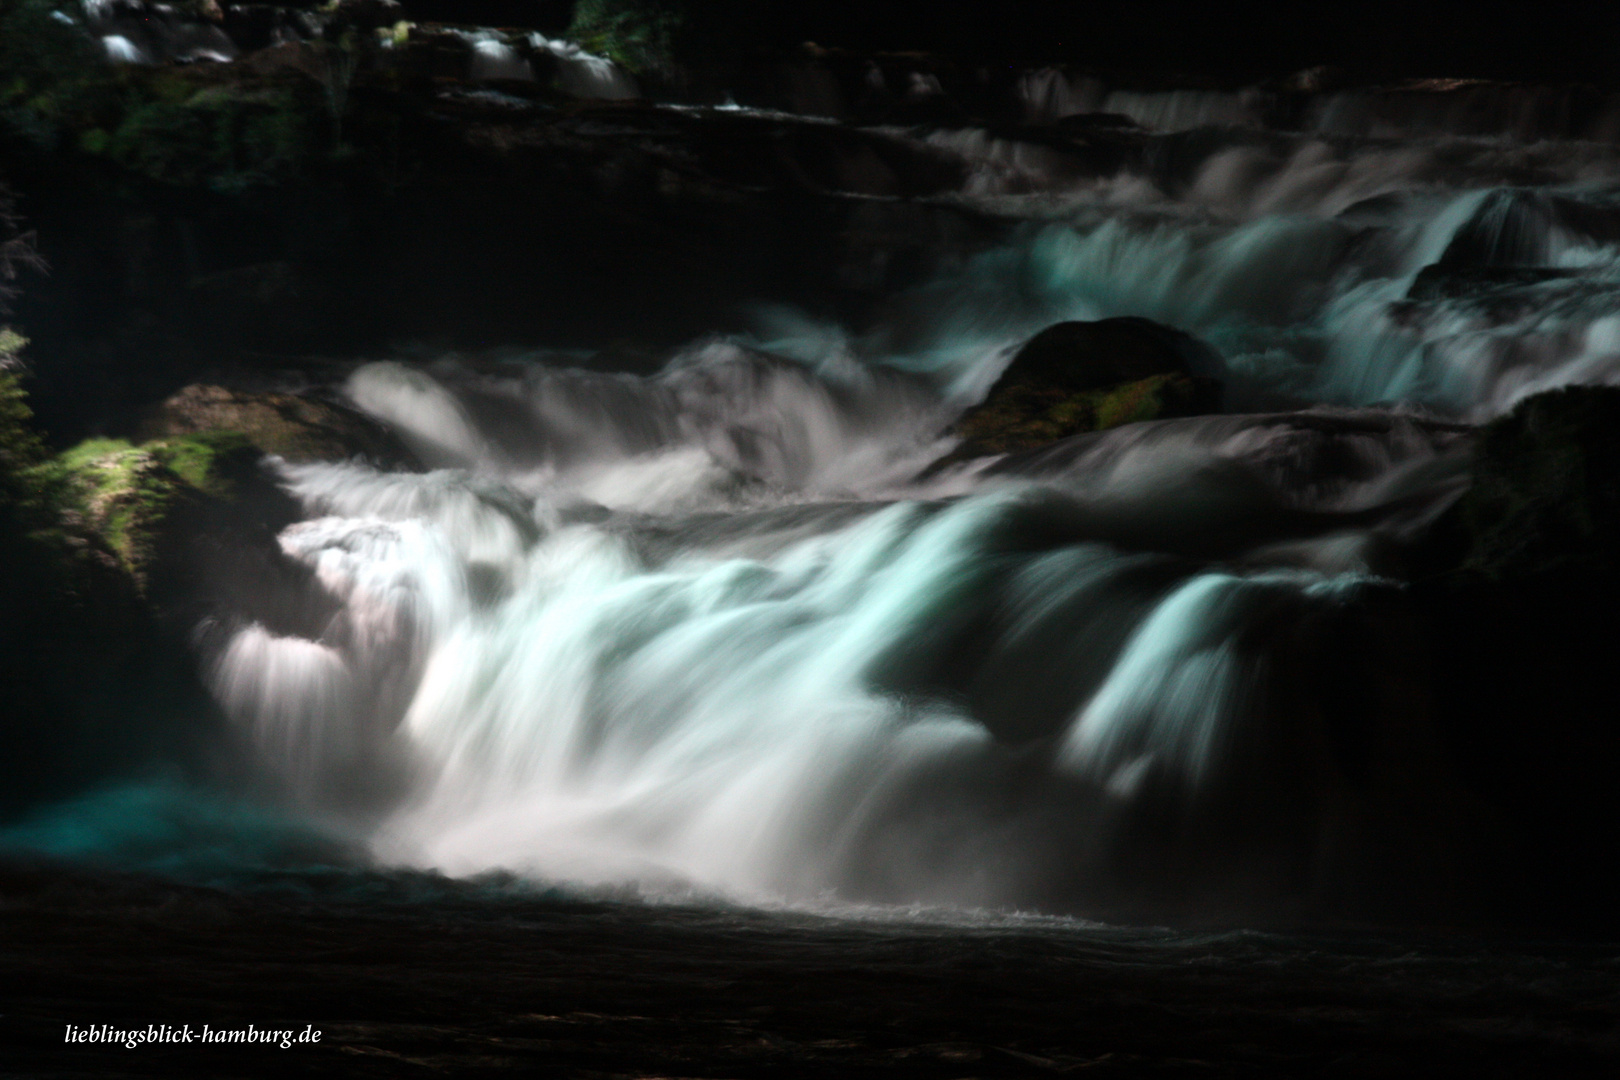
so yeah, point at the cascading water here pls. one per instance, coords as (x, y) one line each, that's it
(585, 75)
(729, 627)
(721, 628)
(703, 631)
(743, 713)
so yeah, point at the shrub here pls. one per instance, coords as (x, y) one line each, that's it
(638, 35)
(47, 61)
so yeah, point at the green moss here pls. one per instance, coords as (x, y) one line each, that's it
(129, 494)
(1027, 414)
(208, 461)
(126, 494)
(1149, 399)
(90, 451)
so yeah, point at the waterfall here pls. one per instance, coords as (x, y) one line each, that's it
(613, 640)
(585, 75)
(743, 626)
(121, 50)
(495, 59)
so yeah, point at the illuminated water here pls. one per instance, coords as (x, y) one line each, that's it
(717, 641)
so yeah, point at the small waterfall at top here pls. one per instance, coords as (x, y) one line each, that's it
(585, 75)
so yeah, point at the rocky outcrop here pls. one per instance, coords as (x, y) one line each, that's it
(1077, 377)
(1545, 495)
(295, 428)
(91, 684)
(1519, 593)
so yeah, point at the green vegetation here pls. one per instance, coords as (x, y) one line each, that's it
(48, 68)
(33, 527)
(210, 461)
(126, 495)
(225, 136)
(201, 125)
(20, 445)
(640, 36)
(137, 497)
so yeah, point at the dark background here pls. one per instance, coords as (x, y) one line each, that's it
(1555, 40)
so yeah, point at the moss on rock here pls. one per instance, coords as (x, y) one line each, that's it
(213, 462)
(298, 429)
(127, 495)
(140, 499)
(1073, 378)
(90, 684)
(1027, 416)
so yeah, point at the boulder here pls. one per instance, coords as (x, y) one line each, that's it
(129, 499)
(297, 428)
(91, 686)
(1077, 377)
(1545, 494)
(192, 520)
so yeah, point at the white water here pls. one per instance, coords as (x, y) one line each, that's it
(695, 631)
(495, 59)
(586, 75)
(121, 50)
(154, 34)
(1298, 260)
(718, 628)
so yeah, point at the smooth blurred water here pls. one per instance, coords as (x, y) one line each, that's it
(722, 629)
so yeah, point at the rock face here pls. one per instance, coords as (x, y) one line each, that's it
(1546, 491)
(91, 685)
(152, 505)
(1520, 598)
(1076, 377)
(298, 429)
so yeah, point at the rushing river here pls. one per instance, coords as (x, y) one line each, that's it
(719, 636)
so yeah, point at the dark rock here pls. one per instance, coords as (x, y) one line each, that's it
(92, 686)
(298, 429)
(368, 14)
(1076, 377)
(1520, 593)
(1516, 227)
(1096, 355)
(1439, 282)
(1094, 122)
(1545, 494)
